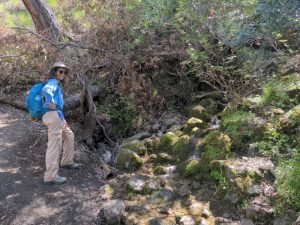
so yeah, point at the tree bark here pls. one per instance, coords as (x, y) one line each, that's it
(43, 18)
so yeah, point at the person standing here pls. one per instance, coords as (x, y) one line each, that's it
(60, 136)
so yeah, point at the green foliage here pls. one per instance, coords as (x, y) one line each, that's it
(288, 184)
(122, 112)
(274, 93)
(240, 126)
(221, 179)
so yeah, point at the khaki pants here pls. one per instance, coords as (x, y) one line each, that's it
(60, 137)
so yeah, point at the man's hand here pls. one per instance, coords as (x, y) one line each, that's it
(51, 106)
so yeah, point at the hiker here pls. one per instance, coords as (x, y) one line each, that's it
(60, 136)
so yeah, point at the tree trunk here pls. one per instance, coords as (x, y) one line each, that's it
(43, 18)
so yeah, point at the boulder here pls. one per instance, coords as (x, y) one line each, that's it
(142, 184)
(183, 148)
(291, 119)
(137, 146)
(128, 160)
(164, 158)
(112, 212)
(260, 210)
(199, 112)
(192, 123)
(167, 142)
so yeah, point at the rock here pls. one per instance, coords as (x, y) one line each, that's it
(246, 222)
(183, 148)
(199, 112)
(291, 119)
(211, 107)
(247, 166)
(165, 210)
(190, 168)
(171, 119)
(259, 209)
(112, 212)
(167, 142)
(233, 197)
(107, 156)
(203, 222)
(196, 185)
(128, 160)
(192, 123)
(162, 170)
(222, 220)
(254, 190)
(184, 191)
(132, 219)
(106, 191)
(142, 184)
(151, 144)
(217, 146)
(139, 136)
(137, 146)
(164, 158)
(187, 220)
(196, 208)
(206, 213)
(155, 221)
(175, 128)
(165, 194)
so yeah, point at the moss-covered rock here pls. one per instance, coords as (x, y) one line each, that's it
(291, 119)
(192, 123)
(199, 112)
(137, 146)
(167, 142)
(210, 105)
(190, 168)
(163, 158)
(160, 170)
(242, 127)
(152, 144)
(217, 146)
(183, 148)
(128, 160)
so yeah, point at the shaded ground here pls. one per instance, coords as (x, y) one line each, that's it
(24, 199)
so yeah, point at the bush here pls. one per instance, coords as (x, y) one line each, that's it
(288, 184)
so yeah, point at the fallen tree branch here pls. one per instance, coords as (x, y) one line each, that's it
(70, 102)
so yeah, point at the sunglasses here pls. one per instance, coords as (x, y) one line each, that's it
(62, 71)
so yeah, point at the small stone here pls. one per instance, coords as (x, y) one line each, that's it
(128, 160)
(205, 213)
(184, 191)
(187, 220)
(254, 190)
(165, 194)
(165, 210)
(154, 221)
(196, 185)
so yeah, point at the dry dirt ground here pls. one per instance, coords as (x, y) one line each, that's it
(24, 199)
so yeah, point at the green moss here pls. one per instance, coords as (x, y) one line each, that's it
(241, 127)
(136, 146)
(192, 123)
(194, 168)
(183, 148)
(210, 105)
(152, 144)
(128, 160)
(159, 170)
(199, 112)
(164, 158)
(167, 142)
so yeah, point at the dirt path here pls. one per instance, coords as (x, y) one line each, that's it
(24, 199)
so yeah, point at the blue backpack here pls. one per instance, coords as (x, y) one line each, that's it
(34, 101)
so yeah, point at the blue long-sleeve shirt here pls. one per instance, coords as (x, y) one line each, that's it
(53, 94)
